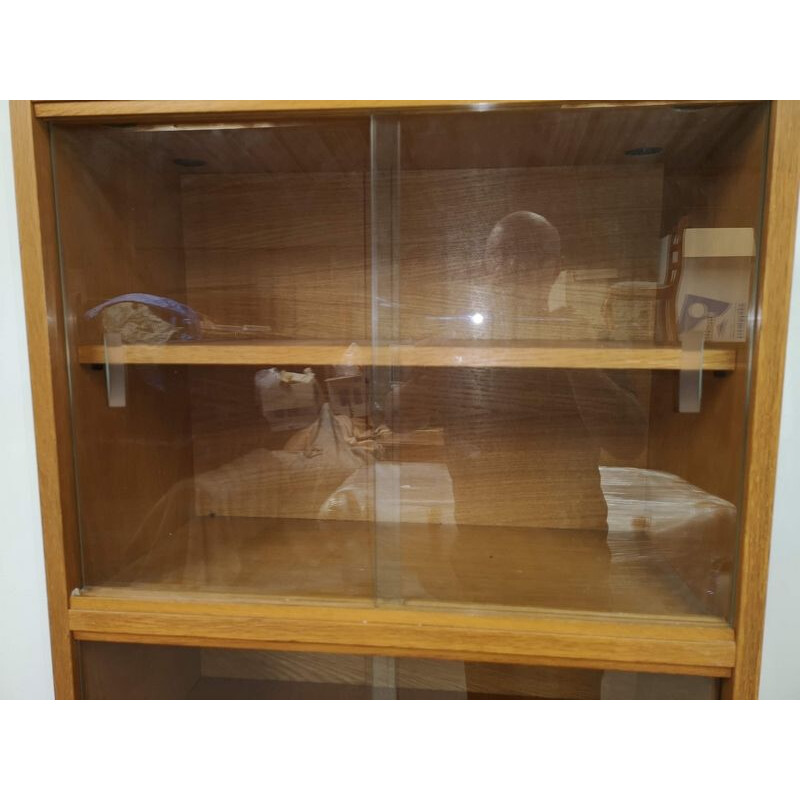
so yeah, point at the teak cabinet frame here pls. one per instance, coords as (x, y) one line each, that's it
(677, 645)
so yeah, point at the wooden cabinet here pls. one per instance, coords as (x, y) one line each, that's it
(395, 399)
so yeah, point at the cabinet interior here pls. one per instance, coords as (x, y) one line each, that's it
(333, 231)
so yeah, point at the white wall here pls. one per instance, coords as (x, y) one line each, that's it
(24, 658)
(25, 670)
(780, 665)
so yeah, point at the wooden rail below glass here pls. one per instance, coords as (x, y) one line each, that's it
(606, 355)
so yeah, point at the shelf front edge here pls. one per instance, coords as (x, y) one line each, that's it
(704, 647)
(457, 355)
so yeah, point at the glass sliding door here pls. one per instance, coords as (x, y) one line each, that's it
(218, 301)
(563, 307)
(478, 360)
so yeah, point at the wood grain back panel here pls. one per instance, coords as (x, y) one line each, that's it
(287, 251)
(120, 231)
(607, 219)
(410, 675)
(137, 672)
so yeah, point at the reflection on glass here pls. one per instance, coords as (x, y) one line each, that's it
(368, 363)
(523, 446)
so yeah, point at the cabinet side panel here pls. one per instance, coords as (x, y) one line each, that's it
(120, 232)
(765, 407)
(41, 282)
(707, 449)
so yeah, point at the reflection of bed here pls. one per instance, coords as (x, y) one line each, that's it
(691, 530)
(326, 473)
(695, 532)
(293, 482)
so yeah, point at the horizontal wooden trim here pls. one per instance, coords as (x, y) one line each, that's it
(599, 356)
(705, 646)
(539, 661)
(197, 110)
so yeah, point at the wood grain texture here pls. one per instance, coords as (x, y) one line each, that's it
(287, 250)
(170, 110)
(44, 318)
(461, 567)
(285, 147)
(586, 136)
(414, 675)
(589, 641)
(134, 671)
(444, 269)
(287, 244)
(550, 136)
(458, 354)
(223, 606)
(393, 652)
(783, 179)
(726, 192)
(470, 680)
(137, 672)
(538, 136)
(148, 441)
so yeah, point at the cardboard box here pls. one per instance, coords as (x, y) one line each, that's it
(289, 400)
(715, 283)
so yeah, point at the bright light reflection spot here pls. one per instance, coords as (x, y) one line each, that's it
(477, 318)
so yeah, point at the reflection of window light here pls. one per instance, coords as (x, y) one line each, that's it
(477, 318)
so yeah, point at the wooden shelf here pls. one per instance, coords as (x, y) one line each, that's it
(453, 565)
(595, 355)
(569, 598)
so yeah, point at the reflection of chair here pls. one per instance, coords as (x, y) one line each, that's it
(652, 302)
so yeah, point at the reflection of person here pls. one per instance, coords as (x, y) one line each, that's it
(523, 248)
(523, 445)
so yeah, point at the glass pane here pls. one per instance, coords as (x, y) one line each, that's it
(142, 672)
(215, 277)
(482, 359)
(565, 312)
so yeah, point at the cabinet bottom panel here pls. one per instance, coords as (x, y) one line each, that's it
(475, 566)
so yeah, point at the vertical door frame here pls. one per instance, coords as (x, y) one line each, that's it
(764, 413)
(41, 282)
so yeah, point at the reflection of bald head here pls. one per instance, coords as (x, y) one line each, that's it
(523, 243)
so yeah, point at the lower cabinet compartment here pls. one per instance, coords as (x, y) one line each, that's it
(112, 671)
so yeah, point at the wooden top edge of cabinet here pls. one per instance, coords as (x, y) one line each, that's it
(148, 110)
(606, 355)
(617, 641)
